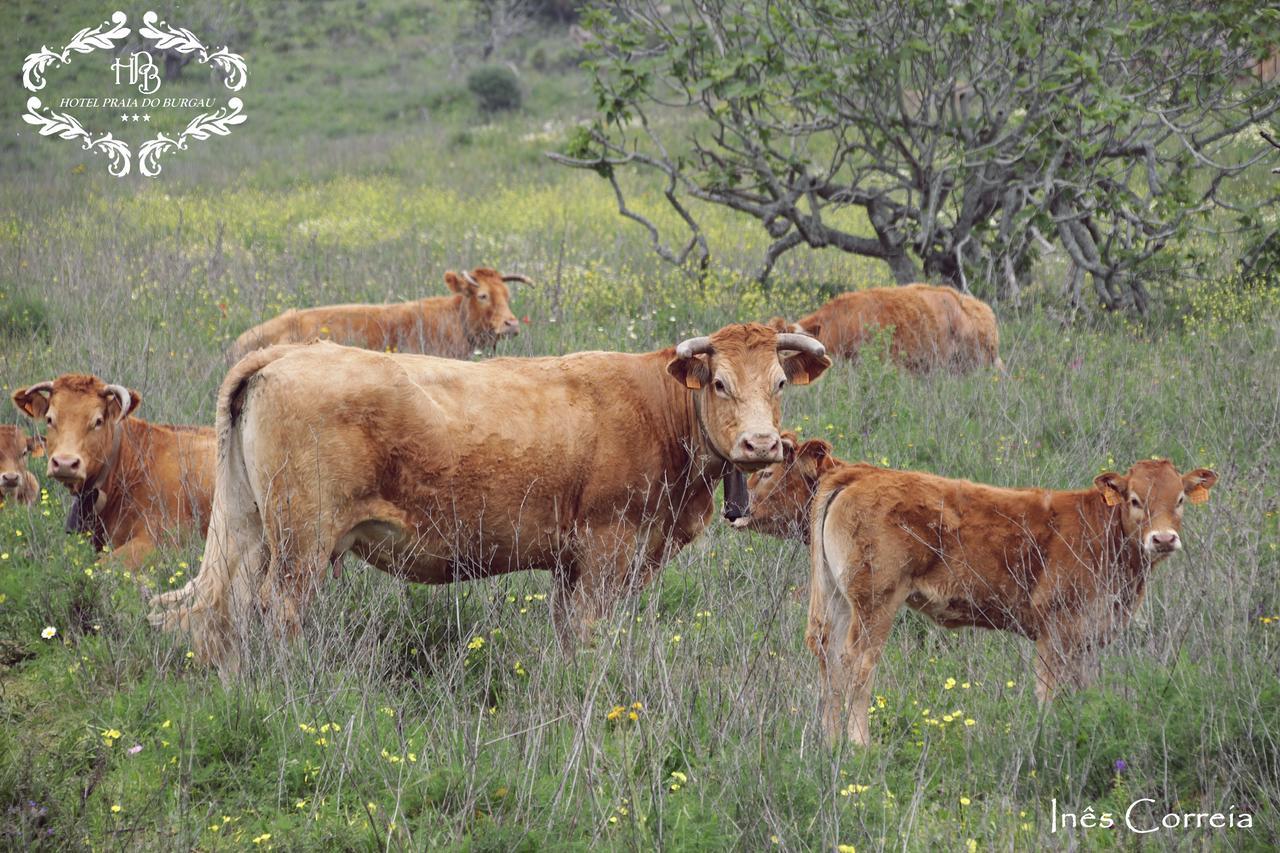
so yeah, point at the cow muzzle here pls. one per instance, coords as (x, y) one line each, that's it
(10, 480)
(755, 450)
(1162, 542)
(66, 469)
(509, 328)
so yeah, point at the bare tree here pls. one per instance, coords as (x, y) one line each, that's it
(972, 136)
(501, 20)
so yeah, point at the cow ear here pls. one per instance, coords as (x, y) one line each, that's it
(780, 324)
(813, 329)
(31, 402)
(692, 372)
(820, 452)
(1198, 483)
(1112, 486)
(454, 282)
(35, 445)
(788, 446)
(803, 367)
(114, 409)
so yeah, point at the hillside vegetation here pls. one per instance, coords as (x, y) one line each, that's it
(413, 717)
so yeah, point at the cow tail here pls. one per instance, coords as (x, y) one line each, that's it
(213, 607)
(820, 582)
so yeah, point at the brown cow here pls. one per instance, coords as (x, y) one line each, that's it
(932, 326)
(16, 482)
(1066, 569)
(136, 485)
(474, 318)
(596, 466)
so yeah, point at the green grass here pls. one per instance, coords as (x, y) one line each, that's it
(437, 740)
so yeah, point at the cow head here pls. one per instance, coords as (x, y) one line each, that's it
(486, 304)
(736, 376)
(81, 414)
(16, 482)
(780, 494)
(1151, 498)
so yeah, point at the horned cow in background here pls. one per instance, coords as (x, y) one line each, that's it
(475, 317)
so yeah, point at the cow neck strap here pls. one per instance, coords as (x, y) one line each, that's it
(706, 436)
(104, 473)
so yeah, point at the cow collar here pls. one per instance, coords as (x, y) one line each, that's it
(108, 467)
(736, 497)
(707, 440)
(87, 504)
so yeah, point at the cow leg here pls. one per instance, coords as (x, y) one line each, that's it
(601, 572)
(864, 643)
(289, 586)
(1054, 665)
(834, 626)
(563, 582)
(578, 601)
(133, 554)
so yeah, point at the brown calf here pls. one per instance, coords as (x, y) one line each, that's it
(933, 327)
(1066, 569)
(16, 482)
(136, 484)
(474, 318)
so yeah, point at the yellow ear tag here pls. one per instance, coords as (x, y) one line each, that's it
(1198, 494)
(1110, 497)
(691, 381)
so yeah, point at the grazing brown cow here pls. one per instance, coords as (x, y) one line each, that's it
(933, 327)
(1066, 569)
(596, 466)
(474, 318)
(16, 482)
(136, 484)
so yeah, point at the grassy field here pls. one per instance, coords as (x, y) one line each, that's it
(416, 718)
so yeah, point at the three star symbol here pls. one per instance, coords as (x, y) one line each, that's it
(134, 117)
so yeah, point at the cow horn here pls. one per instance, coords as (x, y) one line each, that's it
(123, 395)
(801, 343)
(40, 387)
(523, 279)
(694, 346)
(471, 281)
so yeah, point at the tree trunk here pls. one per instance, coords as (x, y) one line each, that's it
(903, 268)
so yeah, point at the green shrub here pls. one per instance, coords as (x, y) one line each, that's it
(495, 88)
(23, 317)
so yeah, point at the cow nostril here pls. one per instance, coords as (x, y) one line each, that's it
(760, 444)
(60, 463)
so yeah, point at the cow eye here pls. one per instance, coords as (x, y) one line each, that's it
(1135, 503)
(48, 419)
(1181, 498)
(719, 386)
(484, 297)
(782, 382)
(97, 422)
